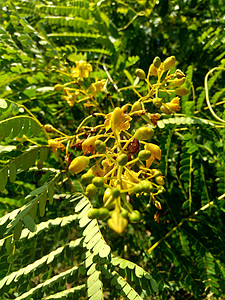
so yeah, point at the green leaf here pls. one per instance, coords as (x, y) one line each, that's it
(17, 230)
(42, 203)
(29, 223)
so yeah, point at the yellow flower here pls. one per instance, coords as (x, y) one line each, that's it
(81, 70)
(96, 171)
(128, 178)
(97, 87)
(117, 121)
(56, 144)
(174, 104)
(155, 153)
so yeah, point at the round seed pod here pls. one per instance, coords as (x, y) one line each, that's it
(93, 213)
(91, 190)
(98, 181)
(143, 155)
(103, 213)
(87, 178)
(100, 146)
(122, 159)
(135, 216)
(124, 213)
(115, 193)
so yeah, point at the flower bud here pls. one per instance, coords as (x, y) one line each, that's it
(122, 159)
(136, 106)
(117, 222)
(178, 82)
(157, 102)
(143, 155)
(55, 144)
(166, 109)
(169, 62)
(79, 164)
(144, 133)
(160, 180)
(153, 70)
(182, 91)
(48, 127)
(179, 74)
(58, 87)
(157, 62)
(140, 73)
(107, 195)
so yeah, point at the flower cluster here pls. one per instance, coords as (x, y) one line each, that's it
(117, 157)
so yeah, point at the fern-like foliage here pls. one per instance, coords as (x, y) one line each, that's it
(99, 269)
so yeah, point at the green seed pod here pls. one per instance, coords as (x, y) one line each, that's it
(103, 213)
(91, 190)
(157, 62)
(181, 91)
(147, 186)
(124, 213)
(144, 133)
(157, 102)
(143, 155)
(115, 193)
(137, 188)
(134, 216)
(79, 164)
(122, 159)
(58, 87)
(87, 178)
(93, 213)
(100, 146)
(169, 62)
(140, 73)
(98, 181)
